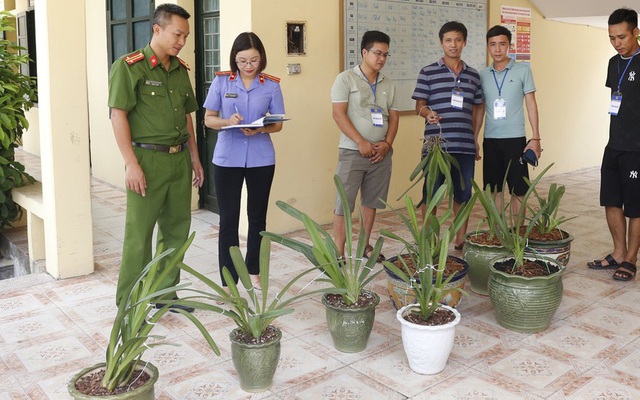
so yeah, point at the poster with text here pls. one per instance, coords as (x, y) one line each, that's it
(518, 21)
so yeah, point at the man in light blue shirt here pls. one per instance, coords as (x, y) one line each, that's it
(506, 86)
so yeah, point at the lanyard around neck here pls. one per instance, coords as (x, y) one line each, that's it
(621, 76)
(506, 71)
(374, 86)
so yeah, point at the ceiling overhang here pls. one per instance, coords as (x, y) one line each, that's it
(582, 12)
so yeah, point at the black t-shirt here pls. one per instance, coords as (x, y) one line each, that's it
(624, 129)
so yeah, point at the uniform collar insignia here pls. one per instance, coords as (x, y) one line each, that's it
(270, 77)
(134, 58)
(183, 63)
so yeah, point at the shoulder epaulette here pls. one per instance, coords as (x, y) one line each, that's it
(184, 64)
(271, 77)
(134, 57)
(232, 75)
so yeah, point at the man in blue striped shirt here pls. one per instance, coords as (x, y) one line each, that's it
(449, 97)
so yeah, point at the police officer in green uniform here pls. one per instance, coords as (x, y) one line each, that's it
(151, 98)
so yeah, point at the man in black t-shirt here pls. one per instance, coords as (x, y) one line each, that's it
(620, 180)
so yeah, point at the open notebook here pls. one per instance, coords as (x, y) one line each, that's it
(266, 120)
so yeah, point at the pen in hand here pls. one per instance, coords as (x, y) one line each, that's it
(237, 114)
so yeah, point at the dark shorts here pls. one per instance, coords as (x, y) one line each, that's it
(497, 153)
(620, 181)
(467, 168)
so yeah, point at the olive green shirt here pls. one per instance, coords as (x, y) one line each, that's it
(157, 101)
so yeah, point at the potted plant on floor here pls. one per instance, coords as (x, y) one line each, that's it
(255, 342)
(525, 290)
(547, 238)
(426, 240)
(428, 327)
(124, 374)
(480, 248)
(435, 164)
(350, 315)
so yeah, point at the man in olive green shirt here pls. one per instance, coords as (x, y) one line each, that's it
(151, 98)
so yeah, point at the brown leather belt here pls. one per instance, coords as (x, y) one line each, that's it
(162, 148)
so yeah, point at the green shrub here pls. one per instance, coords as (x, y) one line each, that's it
(17, 95)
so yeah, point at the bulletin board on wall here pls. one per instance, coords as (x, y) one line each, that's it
(413, 26)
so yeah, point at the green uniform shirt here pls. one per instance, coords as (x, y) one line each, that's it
(156, 100)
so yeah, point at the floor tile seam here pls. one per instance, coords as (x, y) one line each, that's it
(525, 385)
(390, 390)
(309, 338)
(610, 304)
(614, 375)
(429, 387)
(561, 355)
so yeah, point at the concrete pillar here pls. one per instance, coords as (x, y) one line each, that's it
(64, 136)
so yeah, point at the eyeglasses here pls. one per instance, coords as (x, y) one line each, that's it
(380, 54)
(247, 62)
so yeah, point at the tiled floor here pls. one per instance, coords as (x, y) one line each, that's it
(50, 329)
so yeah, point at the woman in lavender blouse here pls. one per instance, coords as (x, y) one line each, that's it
(241, 155)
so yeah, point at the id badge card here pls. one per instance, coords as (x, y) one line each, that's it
(457, 99)
(500, 109)
(376, 117)
(616, 101)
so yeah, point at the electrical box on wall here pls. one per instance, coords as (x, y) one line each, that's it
(293, 69)
(296, 38)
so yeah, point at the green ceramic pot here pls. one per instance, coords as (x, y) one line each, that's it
(145, 392)
(350, 328)
(559, 250)
(480, 258)
(255, 363)
(524, 304)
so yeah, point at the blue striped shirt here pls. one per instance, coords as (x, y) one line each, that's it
(435, 85)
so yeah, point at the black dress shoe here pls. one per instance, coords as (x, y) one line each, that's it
(174, 307)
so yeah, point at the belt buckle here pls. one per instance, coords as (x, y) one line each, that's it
(175, 149)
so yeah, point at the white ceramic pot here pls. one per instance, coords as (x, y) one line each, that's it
(427, 347)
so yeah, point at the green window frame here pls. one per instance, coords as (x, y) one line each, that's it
(211, 37)
(26, 36)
